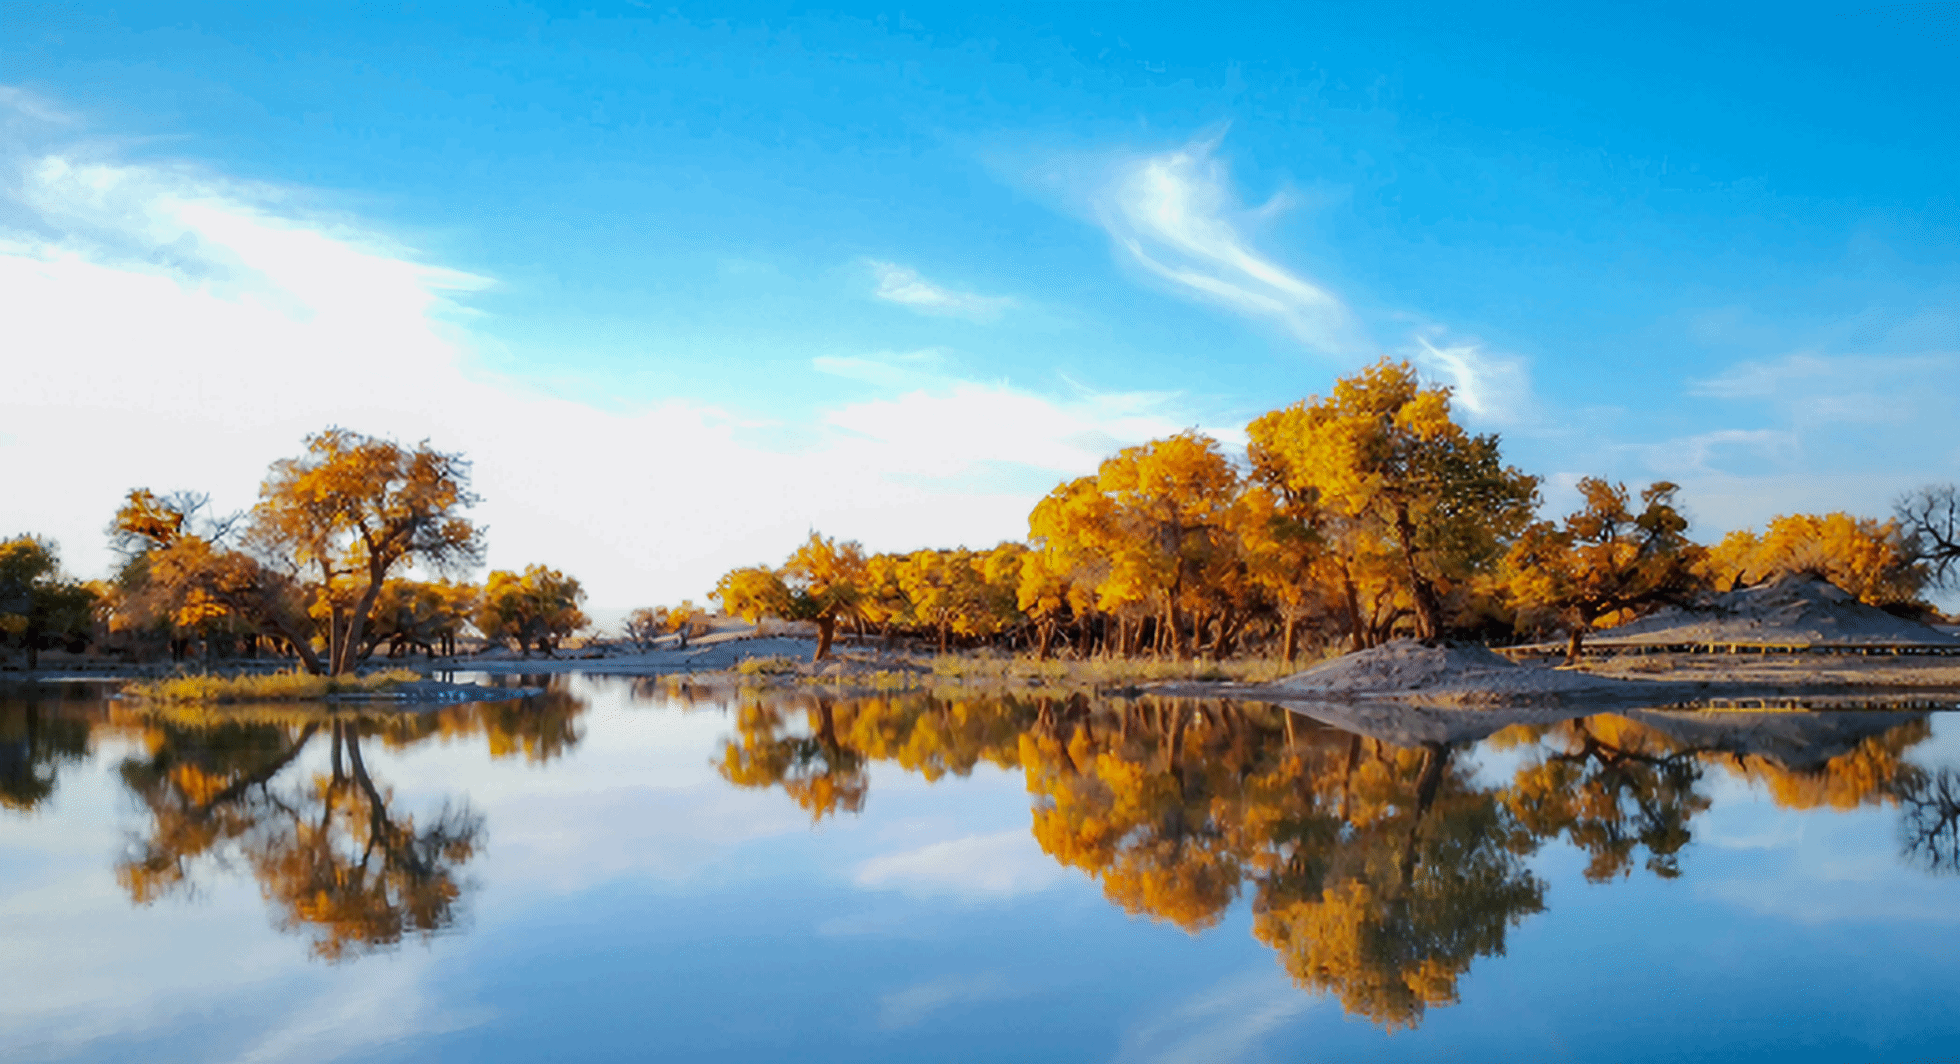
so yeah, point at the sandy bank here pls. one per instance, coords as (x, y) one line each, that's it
(1445, 675)
(1796, 611)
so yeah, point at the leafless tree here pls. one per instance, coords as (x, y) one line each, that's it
(1930, 517)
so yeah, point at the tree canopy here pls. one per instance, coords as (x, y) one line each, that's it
(40, 609)
(351, 512)
(534, 609)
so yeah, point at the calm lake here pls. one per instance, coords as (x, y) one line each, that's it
(628, 870)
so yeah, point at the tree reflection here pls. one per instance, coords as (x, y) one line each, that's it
(333, 851)
(822, 774)
(1612, 787)
(1423, 874)
(34, 743)
(329, 852)
(1379, 867)
(1931, 825)
(344, 868)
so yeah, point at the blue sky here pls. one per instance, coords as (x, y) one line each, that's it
(687, 282)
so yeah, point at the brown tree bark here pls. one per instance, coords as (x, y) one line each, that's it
(1429, 611)
(826, 627)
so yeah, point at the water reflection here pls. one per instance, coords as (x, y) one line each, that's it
(1382, 852)
(1931, 824)
(1379, 868)
(35, 741)
(333, 854)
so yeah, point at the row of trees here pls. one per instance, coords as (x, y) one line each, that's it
(321, 568)
(1358, 516)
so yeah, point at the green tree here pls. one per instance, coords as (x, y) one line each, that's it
(39, 608)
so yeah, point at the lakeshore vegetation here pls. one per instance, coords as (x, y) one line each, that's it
(1353, 518)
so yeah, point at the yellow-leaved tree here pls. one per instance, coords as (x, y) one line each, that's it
(353, 511)
(538, 607)
(1383, 451)
(1605, 559)
(823, 582)
(1147, 533)
(1874, 560)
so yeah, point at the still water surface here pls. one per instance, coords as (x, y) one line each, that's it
(623, 871)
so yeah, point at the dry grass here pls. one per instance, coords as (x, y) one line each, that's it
(207, 689)
(993, 671)
(772, 666)
(1110, 672)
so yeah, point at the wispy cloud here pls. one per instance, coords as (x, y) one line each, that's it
(903, 285)
(16, 101)
(1004, 864)
(1701, 451)
(897, 372)
(1493, 387)
(915, 1004)
(1849, 389)
(1227, 1021)
(1175, 215)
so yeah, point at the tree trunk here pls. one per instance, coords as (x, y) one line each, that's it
(357, 624)
(1435, 756)
(1292, 641)
(1572, 648)
(1353, 611)
(1429, 612)
(826, 628)
(1046, 633)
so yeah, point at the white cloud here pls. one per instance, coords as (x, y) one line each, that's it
(1814, 389)
(171, 328)
(1001, 865)
(1696, 453)
(903, 285)
(1227, 1021)
(391, 1002)
(915, 1004)
(30, 107)
(1491, 387)
(907, 371)
(1175, 215)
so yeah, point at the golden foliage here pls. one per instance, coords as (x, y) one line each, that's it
(1869, 558)
(1605, 561)
(536, 608)
(1383, 453)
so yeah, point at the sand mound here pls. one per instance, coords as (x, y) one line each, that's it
(1442, 671)
(1795, 610)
